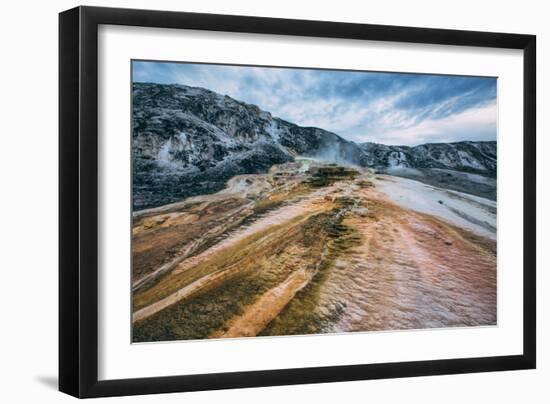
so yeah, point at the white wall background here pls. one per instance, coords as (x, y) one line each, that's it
(28, 202)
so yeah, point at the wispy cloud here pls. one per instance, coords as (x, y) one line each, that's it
(389, 108)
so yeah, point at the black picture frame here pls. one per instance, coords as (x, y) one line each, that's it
(78, 201)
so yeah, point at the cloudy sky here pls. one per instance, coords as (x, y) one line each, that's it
(390, 108)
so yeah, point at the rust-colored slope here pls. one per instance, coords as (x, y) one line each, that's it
(412, 271)
(400, 270)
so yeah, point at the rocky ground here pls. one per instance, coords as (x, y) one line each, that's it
(312, 247)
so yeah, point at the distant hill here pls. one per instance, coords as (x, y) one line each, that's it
(475, 157)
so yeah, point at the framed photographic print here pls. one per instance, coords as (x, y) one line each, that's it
(250, 201)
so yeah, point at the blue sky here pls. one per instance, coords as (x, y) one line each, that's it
(390, 108)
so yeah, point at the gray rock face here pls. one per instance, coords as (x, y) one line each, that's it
(474, 157)
(189, 141)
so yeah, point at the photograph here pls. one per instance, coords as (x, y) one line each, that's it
(273, 203)
(278, 201)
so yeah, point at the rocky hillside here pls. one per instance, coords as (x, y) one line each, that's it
(475, 157)
(189, 141)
